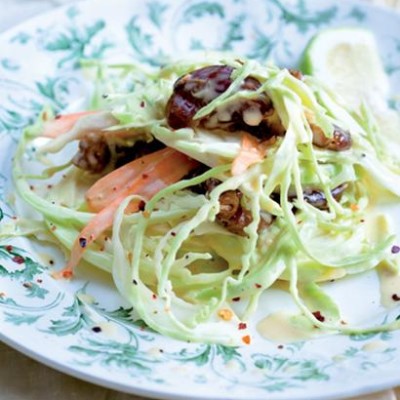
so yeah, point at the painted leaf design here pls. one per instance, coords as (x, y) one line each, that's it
(202, 9)
(156, 10)
(20, 319)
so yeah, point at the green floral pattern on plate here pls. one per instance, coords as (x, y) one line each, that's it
(102, 341)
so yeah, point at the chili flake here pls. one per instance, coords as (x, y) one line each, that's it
(242, 325)
(395, 249)
(67, 274)
(319, 316)
(395, 297)
(82, 242)
(141, 205)
(354, 207)
(18, 259)
(246, 339)
(225, 314)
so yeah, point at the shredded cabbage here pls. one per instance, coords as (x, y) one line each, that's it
(183, 272)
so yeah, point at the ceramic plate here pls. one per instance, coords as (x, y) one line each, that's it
(53, 321)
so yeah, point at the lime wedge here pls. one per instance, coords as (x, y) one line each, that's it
(348, 60)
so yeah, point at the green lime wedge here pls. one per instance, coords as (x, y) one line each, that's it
(348, 60)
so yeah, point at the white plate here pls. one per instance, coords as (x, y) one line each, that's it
(52, 321)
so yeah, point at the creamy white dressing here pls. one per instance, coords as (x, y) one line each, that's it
(375, 345)
(252, 116)
(286, 328)
(208, 93)
(389, 286)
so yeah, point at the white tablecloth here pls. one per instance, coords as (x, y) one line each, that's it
(24, 379)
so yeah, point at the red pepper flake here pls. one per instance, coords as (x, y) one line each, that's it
(58, 116)
(67, 274)
(141, 205)
(9, 248)
(82, 242)
(114, 188)
(49, 186)
(246, 339)
(395, 297)
(53, 228)
(154, 296)
(354, 207)
(395, 249)
(142, 104)
(258, 286)
(319, 316)
(242, 325)
(145, 176)
(236, 299)
(18, 259)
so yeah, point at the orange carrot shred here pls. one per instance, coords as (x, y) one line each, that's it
(251, 151)
(120, 180)
(62, 123)
(160, 173)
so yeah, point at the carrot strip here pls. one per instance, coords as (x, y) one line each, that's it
(109, 187)
(251, 151)
(156, 176)
(63, 123)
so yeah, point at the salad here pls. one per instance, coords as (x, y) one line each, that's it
(203, 184)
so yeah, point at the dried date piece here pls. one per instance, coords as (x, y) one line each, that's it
(198, 88)
(232, 215)
(93, 154)
(340, 140)
(318, 199)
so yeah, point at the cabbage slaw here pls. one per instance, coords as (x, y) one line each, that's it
(186, 276)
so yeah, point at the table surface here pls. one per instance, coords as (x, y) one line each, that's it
(24, 379)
